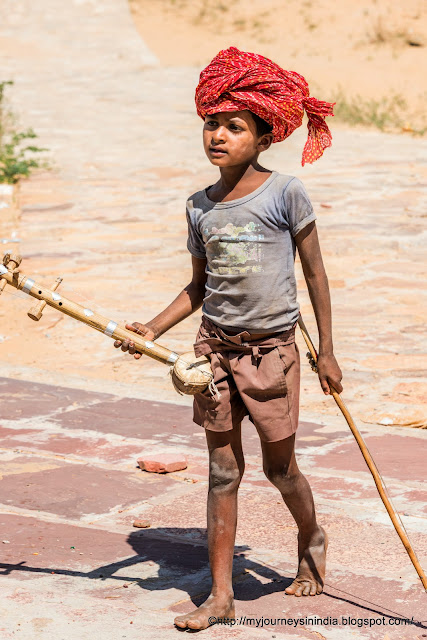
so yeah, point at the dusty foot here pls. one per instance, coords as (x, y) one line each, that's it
(214, 607)
(312, 565)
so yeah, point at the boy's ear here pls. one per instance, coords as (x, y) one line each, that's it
(265, 141)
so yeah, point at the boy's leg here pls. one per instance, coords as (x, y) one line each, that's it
(281, 469)
(226, 466)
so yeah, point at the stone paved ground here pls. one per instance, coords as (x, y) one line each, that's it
(126, 144)
(73, 566)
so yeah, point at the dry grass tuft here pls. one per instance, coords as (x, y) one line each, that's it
(389, 113)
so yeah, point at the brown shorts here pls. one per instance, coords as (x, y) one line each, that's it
(258, 378)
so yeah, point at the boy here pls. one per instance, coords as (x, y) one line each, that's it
(243, 233)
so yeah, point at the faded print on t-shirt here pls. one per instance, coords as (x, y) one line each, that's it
(234, 249)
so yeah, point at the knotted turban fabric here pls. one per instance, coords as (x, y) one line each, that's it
(237, 80)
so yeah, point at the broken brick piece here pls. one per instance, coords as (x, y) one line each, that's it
(142, 524)
(162, 463)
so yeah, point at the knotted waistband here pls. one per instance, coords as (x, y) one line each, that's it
(212, 338)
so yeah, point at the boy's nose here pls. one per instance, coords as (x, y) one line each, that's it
(218, 135)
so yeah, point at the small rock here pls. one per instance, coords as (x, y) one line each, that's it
(162, 463)
(416, 39)
(6, 541)
(142, 524)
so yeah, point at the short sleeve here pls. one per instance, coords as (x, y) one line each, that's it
(195, 243)
(298, 209)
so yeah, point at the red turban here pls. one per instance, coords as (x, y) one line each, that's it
(236, 80)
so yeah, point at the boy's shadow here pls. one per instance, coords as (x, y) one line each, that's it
(181, 556)
(185, 565)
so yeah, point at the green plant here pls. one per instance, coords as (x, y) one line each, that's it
(15, 163)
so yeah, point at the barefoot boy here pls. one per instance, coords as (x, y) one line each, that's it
(243, 234)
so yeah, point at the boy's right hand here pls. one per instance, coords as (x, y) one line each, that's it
(127, 345)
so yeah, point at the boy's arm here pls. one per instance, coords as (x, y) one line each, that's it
(189, 300)
(307, 242)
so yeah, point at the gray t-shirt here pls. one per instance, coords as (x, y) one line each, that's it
(250, 250)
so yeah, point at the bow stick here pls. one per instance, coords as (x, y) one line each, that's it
(398, 525)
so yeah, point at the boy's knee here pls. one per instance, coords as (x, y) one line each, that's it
(225, 478)
(282, 477)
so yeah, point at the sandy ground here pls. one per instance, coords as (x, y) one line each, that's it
(375, 50)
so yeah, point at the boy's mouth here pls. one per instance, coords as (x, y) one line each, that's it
(215, 151)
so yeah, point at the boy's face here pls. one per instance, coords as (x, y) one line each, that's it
(230, 138)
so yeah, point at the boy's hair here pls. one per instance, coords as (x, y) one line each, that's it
(262, 126)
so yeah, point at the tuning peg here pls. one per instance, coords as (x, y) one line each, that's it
(36, 311)
(10, 257)
(12, 263)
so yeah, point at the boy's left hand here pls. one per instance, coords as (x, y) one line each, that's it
(329, 374)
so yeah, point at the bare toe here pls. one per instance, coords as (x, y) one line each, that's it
(194, 623)
(181, 621)
(290, 591)
(296, 589)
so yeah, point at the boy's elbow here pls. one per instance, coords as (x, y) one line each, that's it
(196, 292)
(316, 275)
